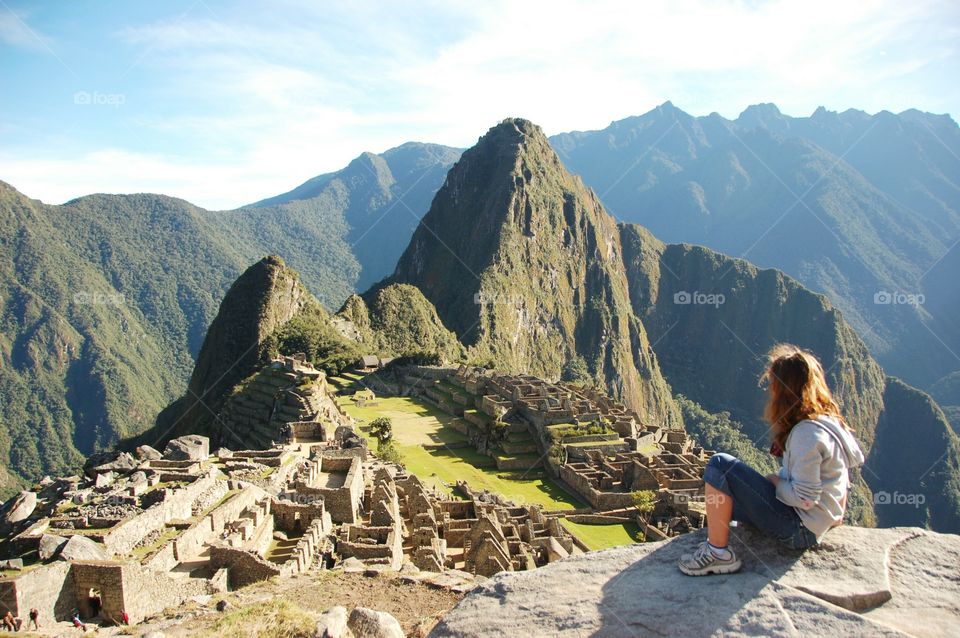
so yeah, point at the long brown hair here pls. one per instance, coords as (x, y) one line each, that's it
(798, 391)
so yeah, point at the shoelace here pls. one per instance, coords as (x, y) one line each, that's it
(703, 555)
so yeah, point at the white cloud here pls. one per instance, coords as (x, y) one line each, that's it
(15, 32)
(256, 104)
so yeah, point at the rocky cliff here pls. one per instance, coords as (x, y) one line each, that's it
(395, 320)
(266, 296)
(523, 264)
(914, 467)
(858, 582)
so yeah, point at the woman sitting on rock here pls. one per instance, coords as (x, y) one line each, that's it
(808, 496)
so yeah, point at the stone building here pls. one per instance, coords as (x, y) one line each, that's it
(407, 521)
(608, 482)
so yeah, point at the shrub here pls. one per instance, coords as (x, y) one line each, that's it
(644, 500)
(389, 452)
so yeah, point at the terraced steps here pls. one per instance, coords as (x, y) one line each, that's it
(517, 461)
(519, 447)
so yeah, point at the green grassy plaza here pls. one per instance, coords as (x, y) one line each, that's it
(441, 456)
(604, 536)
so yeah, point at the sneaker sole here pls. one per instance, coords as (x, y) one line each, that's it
(717, 569)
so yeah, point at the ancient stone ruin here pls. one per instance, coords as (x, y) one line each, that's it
(140, 532)
(594, 445)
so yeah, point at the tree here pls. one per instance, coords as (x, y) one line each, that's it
(381, 429)
(644, 500)
(576, 371)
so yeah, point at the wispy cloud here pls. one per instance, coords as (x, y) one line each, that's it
(229, 104)
(15, 32)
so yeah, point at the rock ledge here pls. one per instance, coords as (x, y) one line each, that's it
(859, 581)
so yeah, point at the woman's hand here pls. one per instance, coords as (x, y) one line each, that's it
(774, 478)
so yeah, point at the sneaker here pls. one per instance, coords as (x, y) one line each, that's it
(703, 562)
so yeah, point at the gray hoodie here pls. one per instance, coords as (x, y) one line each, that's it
(814, 478)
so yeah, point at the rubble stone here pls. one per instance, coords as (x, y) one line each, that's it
(368, 623)
(332, 623)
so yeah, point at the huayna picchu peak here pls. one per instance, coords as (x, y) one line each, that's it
(521, 261)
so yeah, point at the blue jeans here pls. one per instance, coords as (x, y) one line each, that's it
(755, 501)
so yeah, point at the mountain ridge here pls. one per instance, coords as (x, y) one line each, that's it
(853, 205)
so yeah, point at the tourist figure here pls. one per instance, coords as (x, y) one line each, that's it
(76, 621)
(8, 622)
(809, 495)
(34, 618)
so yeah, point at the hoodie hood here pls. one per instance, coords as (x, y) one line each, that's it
(844, 437)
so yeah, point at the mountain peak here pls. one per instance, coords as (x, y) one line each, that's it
(759, 111)
(764, 116)
(822, 112)
(521, 261)
(264, 297)
(510, 131)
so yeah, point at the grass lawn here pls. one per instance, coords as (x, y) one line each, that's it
(413, 423)
(604, 536)
(416, 424)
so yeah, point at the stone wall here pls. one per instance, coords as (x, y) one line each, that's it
(146, 592)
(177, 505)
(163, 560)
(375, 544)
(343, 503)
(49, 588)
(105, 577)
(307, 431)
(244, 567)
(313, 542)
(598, 499)
(210, 528)
(296, 517)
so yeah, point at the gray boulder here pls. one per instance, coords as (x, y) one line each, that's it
(50, 545)
(367, 623)
(347, 438)
(82, 548)
(103, 462)
(333, 623)
(104, 479)
(858, 581)
(147, 453)
(21, 507)
(191, 447)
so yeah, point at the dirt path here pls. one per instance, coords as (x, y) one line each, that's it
(417, 607)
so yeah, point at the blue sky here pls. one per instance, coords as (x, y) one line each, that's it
(225, 103)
